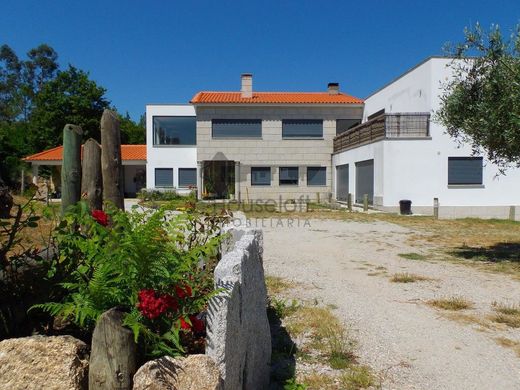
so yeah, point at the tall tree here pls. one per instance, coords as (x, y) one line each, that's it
(132, 132)
(69, 98)
(10, 79)
(481, 105)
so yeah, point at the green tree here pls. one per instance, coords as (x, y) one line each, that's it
(69, 98)
(481, 105)
(10, 79)
(132, 132)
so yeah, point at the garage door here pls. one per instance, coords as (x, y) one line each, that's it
(365, 180)
(342, 182)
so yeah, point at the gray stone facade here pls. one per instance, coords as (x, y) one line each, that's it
(271, 150)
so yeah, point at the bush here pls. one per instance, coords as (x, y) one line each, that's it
(154, 195)
(156, 266)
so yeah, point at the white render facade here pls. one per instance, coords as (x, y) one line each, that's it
(417, 169)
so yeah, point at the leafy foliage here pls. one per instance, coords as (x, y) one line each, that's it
(481, 105)
(157, 251)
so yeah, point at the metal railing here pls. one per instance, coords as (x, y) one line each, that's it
(387, 126)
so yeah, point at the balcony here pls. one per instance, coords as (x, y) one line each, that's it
(386, 126)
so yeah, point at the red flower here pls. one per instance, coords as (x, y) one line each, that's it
(100, 216)
(152, 306)
(184, 324)
(197, 324)
(183, 291)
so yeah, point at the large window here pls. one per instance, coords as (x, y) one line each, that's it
(464, 170)
(236, 128)
(174, 130)
(343, 125)
(164, 177)
(316, 176)
(302, 128)
(260, 176)
(289, 176)
(187, 177)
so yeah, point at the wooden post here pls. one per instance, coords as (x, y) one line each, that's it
(512, 213)
(365, 202)
(436, 208)
(113, 360)
(22, 184)
(71, 169)
(112, 169)
(91, 181)
(349, 202)
(318, 197)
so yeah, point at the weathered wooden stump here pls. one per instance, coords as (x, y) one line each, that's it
(71, 169)
(113, 357)
(113, 190)
(91, 180)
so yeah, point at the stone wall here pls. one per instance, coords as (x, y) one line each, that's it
(238, 330)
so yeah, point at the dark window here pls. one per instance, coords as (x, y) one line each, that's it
(187, 177)
(316, 176)
(465, 170)
(343, 125)
(289, 175)
(302, 128)
(174, 130)
(376, 114)
(260, 176)
(236, 128)
(164, 177)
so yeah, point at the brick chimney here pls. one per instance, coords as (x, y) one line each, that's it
(247, 85)
(333, 88)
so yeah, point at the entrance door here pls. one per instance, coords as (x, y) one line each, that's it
(365, 181)
(342, 182)
(219, 179)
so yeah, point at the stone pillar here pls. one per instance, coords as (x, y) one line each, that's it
(237, 181)
(200, 178)
(34, 168)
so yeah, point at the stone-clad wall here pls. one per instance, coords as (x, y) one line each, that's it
(238, 338)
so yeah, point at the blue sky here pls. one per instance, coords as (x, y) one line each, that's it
(166, 51)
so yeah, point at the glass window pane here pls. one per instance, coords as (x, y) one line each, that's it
(465, 170)
(289, 175)
(164, 177)
(187, 177)
(260, 176)
(174, 130)
(302, 128)
(343, 125)
(316, 176)
(236, 128)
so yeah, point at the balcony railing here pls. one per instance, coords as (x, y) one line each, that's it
(386, 126)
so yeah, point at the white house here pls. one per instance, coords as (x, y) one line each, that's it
(399, 152)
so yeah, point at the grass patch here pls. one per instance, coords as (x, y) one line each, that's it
(506, 314)
(357, 377)
(412, 256)
(508, 343)
(405, 277)
(282, 308)
(276, 285)
(451, 303)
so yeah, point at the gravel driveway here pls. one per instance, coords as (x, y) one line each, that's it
(411, 344)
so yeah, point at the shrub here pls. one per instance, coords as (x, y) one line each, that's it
(153, 195)
(155, 265)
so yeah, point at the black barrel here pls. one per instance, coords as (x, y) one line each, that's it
(405, 206)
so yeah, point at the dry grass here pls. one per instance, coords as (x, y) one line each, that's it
(405, 277)
(469, 319)
(508, 343)
(451, 303)
(276, 285)
(412, 256)
(506, 314)
(358, 377)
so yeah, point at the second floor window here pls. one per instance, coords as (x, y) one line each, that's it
(302, 128)
(236, 128)
(343, 125)
(174, 130)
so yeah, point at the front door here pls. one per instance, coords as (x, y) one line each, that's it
(365, 181)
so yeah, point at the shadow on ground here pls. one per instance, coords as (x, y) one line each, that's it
(283, 361)
(503, 251)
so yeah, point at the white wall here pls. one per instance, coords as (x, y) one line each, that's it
(418, 169)
(167, 156)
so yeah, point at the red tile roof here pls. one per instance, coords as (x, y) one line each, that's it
(128, 152)
(275, 98)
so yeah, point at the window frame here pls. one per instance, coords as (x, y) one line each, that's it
(163, 169)
(286, 122)
(262, 184)
(179, 177)
(170, 145)
(289, 184)
(325, 176)
(255, 137)
(459, 184)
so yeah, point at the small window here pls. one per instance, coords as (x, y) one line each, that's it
(289, 176)
(236, 128)
(260, 176)
(187, 177)
(316, 176)
(174, 130)
(343, 125)
(464, 170)
(164, 177)
(302, 128)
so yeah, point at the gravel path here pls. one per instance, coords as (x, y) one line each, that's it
(411, 345)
